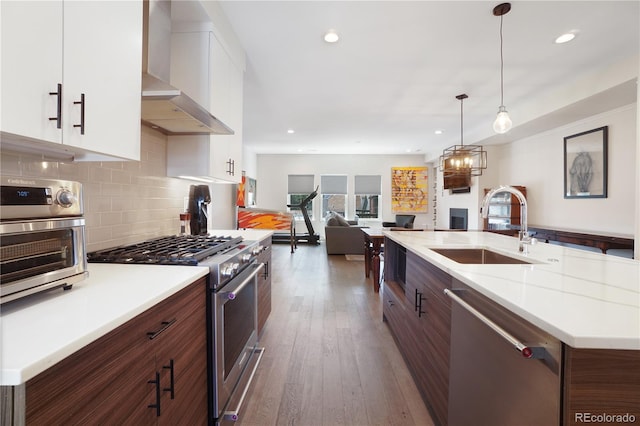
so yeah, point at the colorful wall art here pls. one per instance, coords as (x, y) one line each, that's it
(409, 189)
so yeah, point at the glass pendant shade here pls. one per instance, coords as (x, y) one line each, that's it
(503, 123)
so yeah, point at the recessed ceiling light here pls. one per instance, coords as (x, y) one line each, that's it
(439, 132)
(331, 36)
(291, 131)
(565, 38)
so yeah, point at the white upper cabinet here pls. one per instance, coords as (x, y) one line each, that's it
(31, 69)
(227, 95)
(102, 64)
(202, 68)
(222, 71)
(92, 50)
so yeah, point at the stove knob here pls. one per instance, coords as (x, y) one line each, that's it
(65, 198)
(246, 258)
(226, 270)
(257, 250)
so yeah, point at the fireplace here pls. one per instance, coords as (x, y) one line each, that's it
(458, 218)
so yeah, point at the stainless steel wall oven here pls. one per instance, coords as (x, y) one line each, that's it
(42, 240)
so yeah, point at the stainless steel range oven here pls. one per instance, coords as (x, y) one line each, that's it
(232, 319)
(42, 243)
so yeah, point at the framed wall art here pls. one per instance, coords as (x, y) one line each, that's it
(246, 192)
(409, 189)
(585, 164)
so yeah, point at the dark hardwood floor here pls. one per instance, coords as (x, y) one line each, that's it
(329, 358)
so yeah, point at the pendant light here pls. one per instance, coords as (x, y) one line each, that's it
(463, 160)
(503, 122)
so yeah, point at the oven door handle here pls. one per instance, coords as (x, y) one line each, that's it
(232, 293)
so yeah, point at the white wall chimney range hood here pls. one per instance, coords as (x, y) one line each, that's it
(165, 107)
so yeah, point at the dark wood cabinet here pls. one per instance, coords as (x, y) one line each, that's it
(599, 382)
(419, 316)
(158, 357)
(432, 313)
(264, 285)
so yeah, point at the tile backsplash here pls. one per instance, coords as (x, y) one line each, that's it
(125, 201)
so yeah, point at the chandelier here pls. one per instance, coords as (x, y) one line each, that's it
(463, 160)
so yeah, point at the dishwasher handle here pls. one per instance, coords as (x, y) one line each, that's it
(528, 352)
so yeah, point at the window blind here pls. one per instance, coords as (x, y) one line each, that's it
(331, 184)
(300, 184)
(367, 184)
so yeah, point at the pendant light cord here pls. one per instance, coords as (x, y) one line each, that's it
(501, 66)
(461, 126)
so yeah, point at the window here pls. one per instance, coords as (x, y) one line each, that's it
(367, 191)
(334, 194)
(299, 188)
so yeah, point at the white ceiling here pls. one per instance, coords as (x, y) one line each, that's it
(391, 80)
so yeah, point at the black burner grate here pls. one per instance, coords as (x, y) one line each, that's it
(171, 250)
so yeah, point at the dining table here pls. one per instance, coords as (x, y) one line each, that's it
(373, 247)
(373, 243)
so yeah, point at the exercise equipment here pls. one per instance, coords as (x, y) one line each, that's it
(310, 237)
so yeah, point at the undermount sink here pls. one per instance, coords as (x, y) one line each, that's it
(478, 256)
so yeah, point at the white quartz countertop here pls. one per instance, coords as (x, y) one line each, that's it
(585, 299)
(38, 331)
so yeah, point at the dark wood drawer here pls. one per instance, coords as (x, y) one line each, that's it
(393, 308)
(82, 382)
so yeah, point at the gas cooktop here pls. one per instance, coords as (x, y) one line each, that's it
(170, 250)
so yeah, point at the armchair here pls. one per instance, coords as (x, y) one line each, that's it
(402, 221)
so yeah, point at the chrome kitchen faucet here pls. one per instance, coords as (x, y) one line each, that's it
(524, 239)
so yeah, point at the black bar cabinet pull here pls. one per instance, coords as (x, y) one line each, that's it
(419, 299)
(58, 117)
(157, 404)
(171, 388)
(165, 324)
(81, 103)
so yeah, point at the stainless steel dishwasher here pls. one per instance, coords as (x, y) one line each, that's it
(504, 370)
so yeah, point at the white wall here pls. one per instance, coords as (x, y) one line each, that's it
(273, 171)
(537, 163)
(249, 163)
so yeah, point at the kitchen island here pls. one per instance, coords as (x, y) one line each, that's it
(585, 299)
(589, 302)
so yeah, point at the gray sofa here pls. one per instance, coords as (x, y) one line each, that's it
(343, 236)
